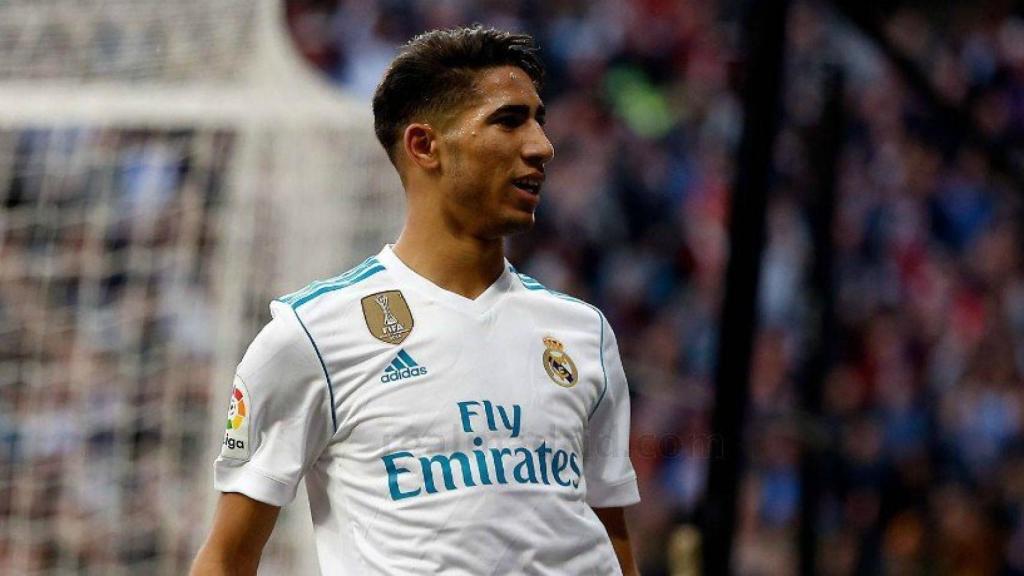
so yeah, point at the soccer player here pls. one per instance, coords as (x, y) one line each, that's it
(448, 414)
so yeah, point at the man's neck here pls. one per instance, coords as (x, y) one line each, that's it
(461, 264)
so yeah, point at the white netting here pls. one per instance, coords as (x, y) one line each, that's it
(165, 169)
(142, 40)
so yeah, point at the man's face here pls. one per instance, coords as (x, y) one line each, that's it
(493, 155)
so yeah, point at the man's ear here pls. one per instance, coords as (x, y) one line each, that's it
(419, 141)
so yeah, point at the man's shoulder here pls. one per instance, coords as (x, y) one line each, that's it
(337, 290)
(535, 294)
(301, 318)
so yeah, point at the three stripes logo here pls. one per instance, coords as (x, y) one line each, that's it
(402, 367)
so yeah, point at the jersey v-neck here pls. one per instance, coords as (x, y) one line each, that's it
(476, 306)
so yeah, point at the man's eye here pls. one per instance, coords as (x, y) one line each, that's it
(509, 121)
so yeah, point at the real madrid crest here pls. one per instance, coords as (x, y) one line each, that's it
(558, 364)
(388, 316)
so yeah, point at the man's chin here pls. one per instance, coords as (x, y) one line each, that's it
(515, 224)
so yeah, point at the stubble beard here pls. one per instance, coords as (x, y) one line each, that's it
(470, 203)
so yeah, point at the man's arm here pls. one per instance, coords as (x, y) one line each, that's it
(241, 527)
(615, 523)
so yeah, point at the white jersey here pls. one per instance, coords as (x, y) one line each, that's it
(436, 434)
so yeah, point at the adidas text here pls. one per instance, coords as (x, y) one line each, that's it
(402, 374)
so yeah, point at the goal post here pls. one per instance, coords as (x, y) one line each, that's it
(166, 168)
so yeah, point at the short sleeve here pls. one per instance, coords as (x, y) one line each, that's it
(279, 417)
(609, 473)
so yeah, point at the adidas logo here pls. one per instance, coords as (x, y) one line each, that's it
(403, 366)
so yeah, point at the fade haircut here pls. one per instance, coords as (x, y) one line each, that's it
(433, 76)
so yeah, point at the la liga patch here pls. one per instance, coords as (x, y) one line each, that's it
(236, 433)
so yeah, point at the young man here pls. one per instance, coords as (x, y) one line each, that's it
(449, 415)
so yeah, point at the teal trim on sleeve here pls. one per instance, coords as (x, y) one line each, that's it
(327, 376)
(604, 371)
(601, 320)
(290, 299)
(338, 286)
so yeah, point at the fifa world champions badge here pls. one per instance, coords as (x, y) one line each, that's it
(557, 363)
(388, 316)
(236, 433)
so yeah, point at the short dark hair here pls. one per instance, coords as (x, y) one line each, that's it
(434, 73)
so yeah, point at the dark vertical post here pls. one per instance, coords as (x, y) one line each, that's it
(764, 30)
(825, 156)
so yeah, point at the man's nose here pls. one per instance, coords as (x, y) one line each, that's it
(537, 149)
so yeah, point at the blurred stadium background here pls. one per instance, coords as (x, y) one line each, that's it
(166, 168)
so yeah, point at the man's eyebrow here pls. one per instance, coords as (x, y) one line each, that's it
(518, 109)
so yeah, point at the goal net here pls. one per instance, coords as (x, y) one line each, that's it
(166, 168)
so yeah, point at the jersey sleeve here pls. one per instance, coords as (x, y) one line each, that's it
(279, 418)
(609, 473)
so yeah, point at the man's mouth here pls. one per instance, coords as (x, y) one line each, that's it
(531, 184)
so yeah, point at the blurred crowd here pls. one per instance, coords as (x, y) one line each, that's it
(923, 426)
